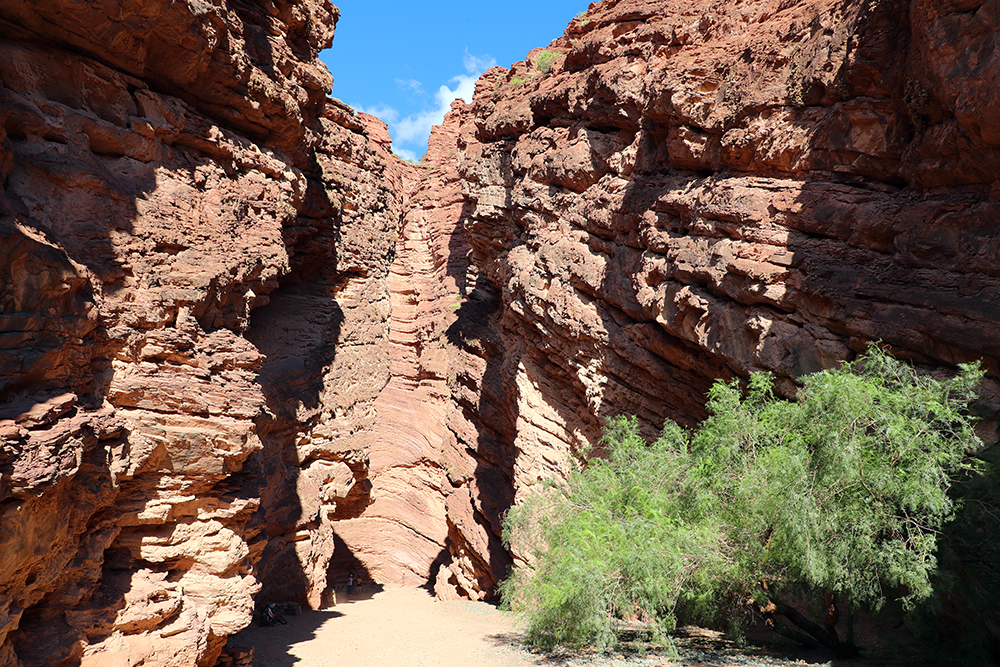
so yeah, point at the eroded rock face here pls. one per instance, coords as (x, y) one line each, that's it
(700, 190)
(327, 346)
(194, 260)
(439, 468)
(239, 338)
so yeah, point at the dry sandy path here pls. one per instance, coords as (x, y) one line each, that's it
(406, 627)
(397, 627)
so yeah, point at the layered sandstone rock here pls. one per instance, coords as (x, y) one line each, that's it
(438, 472)
(698, 190)
(327, 359)
(168, 169)
(240, 338)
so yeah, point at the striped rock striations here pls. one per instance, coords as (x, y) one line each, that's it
(244, 349)
(439, 466)
(193, 292)
(675, 192)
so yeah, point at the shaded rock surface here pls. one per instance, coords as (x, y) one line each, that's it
(193, 251)
(244, 349)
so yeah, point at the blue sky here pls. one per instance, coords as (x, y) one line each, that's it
(406, 61)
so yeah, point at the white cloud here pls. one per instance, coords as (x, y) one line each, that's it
(416, 128)
(405, 154)
(410, 84)
(477, 64)
(384, 112)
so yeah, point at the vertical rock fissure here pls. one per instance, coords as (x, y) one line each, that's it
(246, 349)
(433, 483)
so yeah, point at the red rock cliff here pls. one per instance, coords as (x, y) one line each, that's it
(239, 338)
(193, 297)
(697, 190)
(673, 193)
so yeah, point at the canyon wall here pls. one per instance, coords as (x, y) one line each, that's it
(669, 194)
(193, 316)
(675, 192)
(245, 349)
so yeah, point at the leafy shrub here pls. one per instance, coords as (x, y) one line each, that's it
(843, 492)
(544, 62)
(612, 547)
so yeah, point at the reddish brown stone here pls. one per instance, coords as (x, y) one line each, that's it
(238, 337)
(192, 236)
(698, 191)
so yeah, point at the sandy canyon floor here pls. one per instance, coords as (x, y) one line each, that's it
(406, 627)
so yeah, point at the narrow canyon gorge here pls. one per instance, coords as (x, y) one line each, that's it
(244, 348)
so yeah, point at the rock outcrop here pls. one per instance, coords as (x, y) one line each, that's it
(648, 212)
(699, 190)
(194, 286)
(244, 349)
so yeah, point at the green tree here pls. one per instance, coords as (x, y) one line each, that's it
(621, 543)
(842, 492)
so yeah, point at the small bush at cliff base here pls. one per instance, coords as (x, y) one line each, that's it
(842, 492)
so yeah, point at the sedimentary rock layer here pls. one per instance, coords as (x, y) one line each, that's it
(193, 252)
(669, 194)
(439, 475)
(239, 336)
(679, 191)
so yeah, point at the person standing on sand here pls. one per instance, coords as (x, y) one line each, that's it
(350, 582)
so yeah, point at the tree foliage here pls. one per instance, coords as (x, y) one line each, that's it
(843, 491)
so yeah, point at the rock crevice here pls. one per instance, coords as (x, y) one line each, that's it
(245, 349)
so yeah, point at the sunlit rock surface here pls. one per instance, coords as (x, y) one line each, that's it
(440, 469)
(194, 261)
(699, 190)
(244, 349)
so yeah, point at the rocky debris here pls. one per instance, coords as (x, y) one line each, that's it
(235, 655)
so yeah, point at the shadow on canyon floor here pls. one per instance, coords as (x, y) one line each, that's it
(366, 591)
(694, 646)
(342, 565)
(281, 639)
